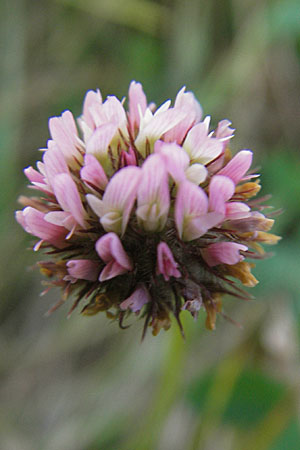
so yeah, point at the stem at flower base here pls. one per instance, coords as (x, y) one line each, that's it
(169, 384)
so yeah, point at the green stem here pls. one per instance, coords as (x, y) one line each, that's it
(166, 393)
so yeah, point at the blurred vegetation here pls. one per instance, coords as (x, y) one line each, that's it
(83, 384)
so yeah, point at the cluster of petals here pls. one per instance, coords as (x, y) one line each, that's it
(150, 171)
(182, 145)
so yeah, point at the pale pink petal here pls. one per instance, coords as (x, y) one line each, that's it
(158, 146)
(62, 219)
(92, 173)
(191, 217)
(64, 132)
(43, 187)
(164, 107)
(221, 189)
(111, 251)
(154, 170)
(137, 103)
(33, 175)
(224, 133)
(37, 180)
(110, 112)
(96, 204)
(206, 122)
(200, 146)
(110, 247)
(54, 162)
(36, 224)
(166, 264)
(175, 158)
(197, 226)
(114, 111)
(69, 124)
(186, 102)
(93, 99)
(41, 166)
(190, 202)
(210, 150)
(153, 194)
(119, 197)
(21, 220)
(68, 197)
(195, 138)
(137, 299)
(223, 253)
(99, 141)
(51, 145)
(237, 210)
(159, 124)
(111, 270)
(217, 164)
(59, 218)
(237, 166)
(83, 269)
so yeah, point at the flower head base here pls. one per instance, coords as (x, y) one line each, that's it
(145, 211)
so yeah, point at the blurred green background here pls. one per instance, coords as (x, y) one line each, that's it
(83, 384)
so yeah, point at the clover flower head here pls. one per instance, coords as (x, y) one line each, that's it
(145, 210)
